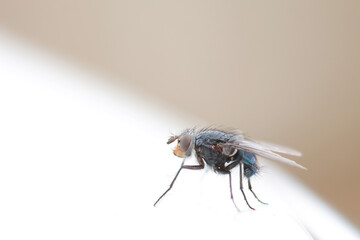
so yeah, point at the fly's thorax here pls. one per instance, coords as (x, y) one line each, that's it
(211, 156)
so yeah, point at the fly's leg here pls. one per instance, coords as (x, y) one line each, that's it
(250, 188)
(196, 167)
(231, 194)
(226, 170)
(241, 186)
(171, 184)
(193, 167)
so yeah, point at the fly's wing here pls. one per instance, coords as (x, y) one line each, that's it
(263, 149)
(279, 148)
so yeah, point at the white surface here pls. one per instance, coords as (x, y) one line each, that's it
(80, 160)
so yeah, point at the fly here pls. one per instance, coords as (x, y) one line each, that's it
(224, 150)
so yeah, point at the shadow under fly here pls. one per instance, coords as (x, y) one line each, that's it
(224, 150)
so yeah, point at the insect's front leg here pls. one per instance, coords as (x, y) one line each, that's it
(171, 184)
(193, 167)
(196, 167)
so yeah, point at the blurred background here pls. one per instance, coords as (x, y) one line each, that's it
(282, 71)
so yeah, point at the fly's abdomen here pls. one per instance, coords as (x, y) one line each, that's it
(250, 165)
(247, 158)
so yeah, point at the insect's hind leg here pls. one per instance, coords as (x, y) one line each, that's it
(250, 188)
(242, 187)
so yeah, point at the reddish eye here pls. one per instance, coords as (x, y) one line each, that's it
(184, 142)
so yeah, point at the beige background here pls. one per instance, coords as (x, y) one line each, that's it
(283, 71)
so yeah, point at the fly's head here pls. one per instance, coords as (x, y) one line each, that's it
(185, 143)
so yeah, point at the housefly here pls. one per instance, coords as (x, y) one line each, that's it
(224, 150)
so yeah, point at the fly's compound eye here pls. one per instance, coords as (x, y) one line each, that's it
(184, 142)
